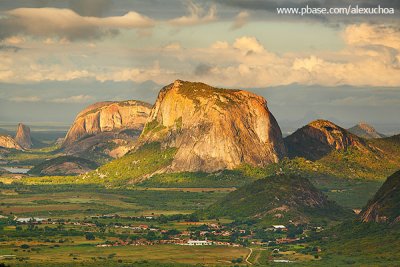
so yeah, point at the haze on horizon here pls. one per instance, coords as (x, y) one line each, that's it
(56, 57)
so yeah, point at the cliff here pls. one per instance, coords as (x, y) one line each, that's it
(213, 129)
(107, 117)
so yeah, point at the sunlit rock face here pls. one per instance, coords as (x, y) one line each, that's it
(213, 129)
(108, 117)
(23, 136)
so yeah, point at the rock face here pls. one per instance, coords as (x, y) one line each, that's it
(385, 206)
(212, 128)
(7, 141)
(64, 165)
(108, 117)
(319, 138)
(280, 198)
(23, 136)
(365, 130)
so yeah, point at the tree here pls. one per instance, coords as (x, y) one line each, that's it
(90, 236)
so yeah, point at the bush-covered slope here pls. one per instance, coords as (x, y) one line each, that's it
(279, 198)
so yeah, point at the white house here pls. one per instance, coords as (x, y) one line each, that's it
(199, 243)
(279, 227)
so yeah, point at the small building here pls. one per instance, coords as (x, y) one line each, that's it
(279, 227)
(199, 243)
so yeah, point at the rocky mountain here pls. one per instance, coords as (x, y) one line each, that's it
(63, 165)
(385, 205)
(23, 136)
(108, 117)
(106, 130)
(280, 198)
(365, 130)
(319, 138)
(212, 128)
(7, 141)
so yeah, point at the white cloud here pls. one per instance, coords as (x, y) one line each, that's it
(14, 40)
(197, 15)
(248, 44)
(369, 35)
(66, 24)
(175, 46)
(220, 45)
(77, 99)
(240, 20)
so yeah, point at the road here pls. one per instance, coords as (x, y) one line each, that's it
(248, 257)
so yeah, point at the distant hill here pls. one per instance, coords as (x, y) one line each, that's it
(63, 165)
(318, 138)
(365, 130)
(385, 206)
(333, 151)
(279, 199)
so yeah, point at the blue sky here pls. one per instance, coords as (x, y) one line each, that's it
(58, 56)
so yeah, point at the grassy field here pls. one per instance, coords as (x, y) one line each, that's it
(85, 200)
(89, 255)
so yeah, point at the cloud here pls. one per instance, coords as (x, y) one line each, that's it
(369, 35)
(90, 8)
(14, 40)
(196, 15)
(240, 20)
(175, 46)
(248, 44)
(77, 99)
(22, 99)
(66, 24)
(202, 69)
(12, 48)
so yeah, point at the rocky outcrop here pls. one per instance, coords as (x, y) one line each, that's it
(108, 117)
(385, 205)
(365, 130)
(64, 165)
(213, 128)
(103, 146)
(319, 138)
(7, 141)
(23, 136)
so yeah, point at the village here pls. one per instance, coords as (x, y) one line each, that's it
(147, 232)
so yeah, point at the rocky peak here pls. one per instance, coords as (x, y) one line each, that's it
(320, 137)
(213, 128)
(23, 136)
(107, 117)
(365, 130)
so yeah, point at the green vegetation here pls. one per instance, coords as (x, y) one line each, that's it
(278, 199)
(78, 201)
(31, 157)
(361, 244)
